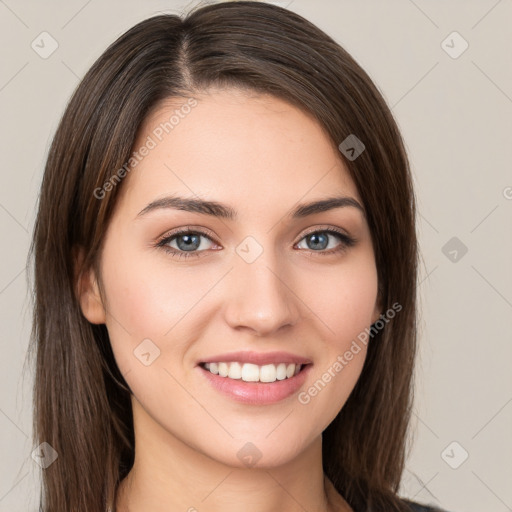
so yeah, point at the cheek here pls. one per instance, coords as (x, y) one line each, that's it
(153, 298)
(346, 302)
(146, 299)
(345, 299)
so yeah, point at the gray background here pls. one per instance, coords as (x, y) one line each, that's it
(455, 115)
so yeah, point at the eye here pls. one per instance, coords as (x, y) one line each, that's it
(187, 242)
(184, 243)
(319, 240)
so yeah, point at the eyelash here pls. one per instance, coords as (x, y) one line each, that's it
(346, 242)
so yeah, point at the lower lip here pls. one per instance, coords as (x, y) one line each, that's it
(257, 393)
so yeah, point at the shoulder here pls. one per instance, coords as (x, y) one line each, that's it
(420, 507)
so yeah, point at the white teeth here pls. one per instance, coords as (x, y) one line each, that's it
(281, 371)
(268, 373)
(235, 371)
(249, 372)
(223, 369)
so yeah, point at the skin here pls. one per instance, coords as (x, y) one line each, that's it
(261, 156)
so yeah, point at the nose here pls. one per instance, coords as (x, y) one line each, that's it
(261, 297)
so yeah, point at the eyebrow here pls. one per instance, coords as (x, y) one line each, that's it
(224, 211)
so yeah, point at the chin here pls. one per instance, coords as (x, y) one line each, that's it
(259, 452)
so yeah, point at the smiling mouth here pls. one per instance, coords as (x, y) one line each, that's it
(249, 372)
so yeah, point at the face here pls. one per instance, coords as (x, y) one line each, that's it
(255, 287)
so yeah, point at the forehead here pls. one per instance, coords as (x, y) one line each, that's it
(238, 147)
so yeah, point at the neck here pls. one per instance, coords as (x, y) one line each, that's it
(170, 475)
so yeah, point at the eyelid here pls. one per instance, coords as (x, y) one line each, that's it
(185, 229)
(346, 240)
(326, 227)
(207, 232)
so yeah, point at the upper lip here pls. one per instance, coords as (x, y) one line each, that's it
(259, 358)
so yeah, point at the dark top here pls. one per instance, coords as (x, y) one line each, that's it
(338, 503)
(420, 507)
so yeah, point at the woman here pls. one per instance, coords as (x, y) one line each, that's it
(225, 267)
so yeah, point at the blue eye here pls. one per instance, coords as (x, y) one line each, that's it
(188, 242)
(320, 240)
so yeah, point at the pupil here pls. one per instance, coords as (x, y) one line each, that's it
(191, 242)
(322, 244)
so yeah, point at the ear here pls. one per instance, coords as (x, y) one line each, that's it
(376, 315)
(377, 311)
(88, 292)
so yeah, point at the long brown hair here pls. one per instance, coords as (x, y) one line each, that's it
(82, 405)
